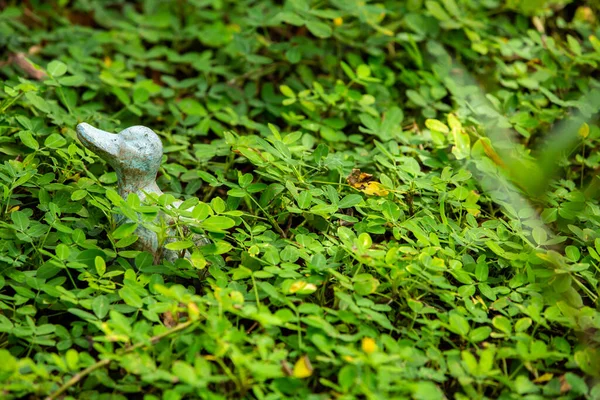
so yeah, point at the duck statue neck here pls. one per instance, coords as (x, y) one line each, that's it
(135, 154)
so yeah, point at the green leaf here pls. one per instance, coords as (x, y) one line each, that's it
(349, 200)
(287, 91)
(100, 265)
(130, 297)
(459, 324)
(143, 260)
(86, 316)
(347, 376)
(574, 45)
(436, 10)
(319, 29)
(192, 107)
(291, 18)
(20, 220)
(62, 251)
(78, 194)
(392, 120)
(179, 245)
(9, 366)
(185, 373)
(75, 80)
(365, 284)
(452, 8)
(502, 324)
(436, 125)
(416, 98)
(55, 141)
(462, 144)
(495, 248)
(539, 235)
(482, 271)
(237, 192)
(576, 383)
(363, 71)
(523, 324)
(198, 259)
(124, 230)
(56, 68)
(480, 334)
(217, 223)
(37, 102)
(121, 95)
(126, 242)
(347, 70)
(28, 140)
(304, 199)
(573, 253)
(470, 362)
(100, 306)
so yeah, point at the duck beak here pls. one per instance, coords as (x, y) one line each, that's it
(103, 143)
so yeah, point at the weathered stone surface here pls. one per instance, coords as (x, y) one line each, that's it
(135, 154)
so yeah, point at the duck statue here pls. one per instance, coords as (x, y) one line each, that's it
(135, 154)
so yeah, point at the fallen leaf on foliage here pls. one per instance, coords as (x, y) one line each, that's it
(357, 178)
(564, 385)
(286, 369)
(363, 182)
(303, 367)
(374, 189)
(168, 319)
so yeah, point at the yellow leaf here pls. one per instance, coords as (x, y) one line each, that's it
(491, 153)
(236, 297)
(198, 260)
(385, 31)
(193, 311)
(584, 130)
(302, 287)
(234, 27)
(595, 43)
(584, 13)
(303, 368)
(473, 211)
(368, 345)
(374, 189)
(362, 181)
(544, 378)
(454, 122)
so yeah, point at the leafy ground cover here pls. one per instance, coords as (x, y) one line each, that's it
(401, 198)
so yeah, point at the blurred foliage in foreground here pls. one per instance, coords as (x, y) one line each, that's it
(402, 199)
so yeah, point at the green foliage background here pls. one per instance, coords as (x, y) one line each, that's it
(467, 269)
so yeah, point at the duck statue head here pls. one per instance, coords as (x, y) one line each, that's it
(134, 153)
